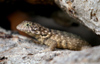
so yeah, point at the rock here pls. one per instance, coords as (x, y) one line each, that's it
(21, 50)
(86, 11)
(85, 56)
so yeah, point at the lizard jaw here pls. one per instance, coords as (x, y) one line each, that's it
(23, 26)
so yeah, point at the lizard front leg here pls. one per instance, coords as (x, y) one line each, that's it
(51, 43)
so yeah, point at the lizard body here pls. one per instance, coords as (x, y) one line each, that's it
(52, 38)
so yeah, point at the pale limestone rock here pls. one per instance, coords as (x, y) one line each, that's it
(22, 50)
(86, 11)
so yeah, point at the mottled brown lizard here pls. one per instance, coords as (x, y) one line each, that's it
(53, 38)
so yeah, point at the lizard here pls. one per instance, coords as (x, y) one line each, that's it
(53, 38)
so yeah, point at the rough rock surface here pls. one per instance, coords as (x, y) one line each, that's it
(21, 50)
(87, 11)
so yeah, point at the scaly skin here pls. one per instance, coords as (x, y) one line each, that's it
(53, 38)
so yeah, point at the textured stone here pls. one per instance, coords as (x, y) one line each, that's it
(21, 50)
(86, 11)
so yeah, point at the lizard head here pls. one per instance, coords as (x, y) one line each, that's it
(32, 28)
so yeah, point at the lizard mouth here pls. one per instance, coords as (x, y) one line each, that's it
(19, 27)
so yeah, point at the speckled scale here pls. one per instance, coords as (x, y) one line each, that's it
(68, 40)
(53, 38)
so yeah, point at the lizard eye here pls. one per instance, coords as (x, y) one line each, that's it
(27, 24)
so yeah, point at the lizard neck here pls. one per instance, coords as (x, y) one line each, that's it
(44, 35)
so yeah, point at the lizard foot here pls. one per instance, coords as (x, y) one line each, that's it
(46, 50)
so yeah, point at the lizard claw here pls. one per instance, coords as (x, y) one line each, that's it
(46, 50)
